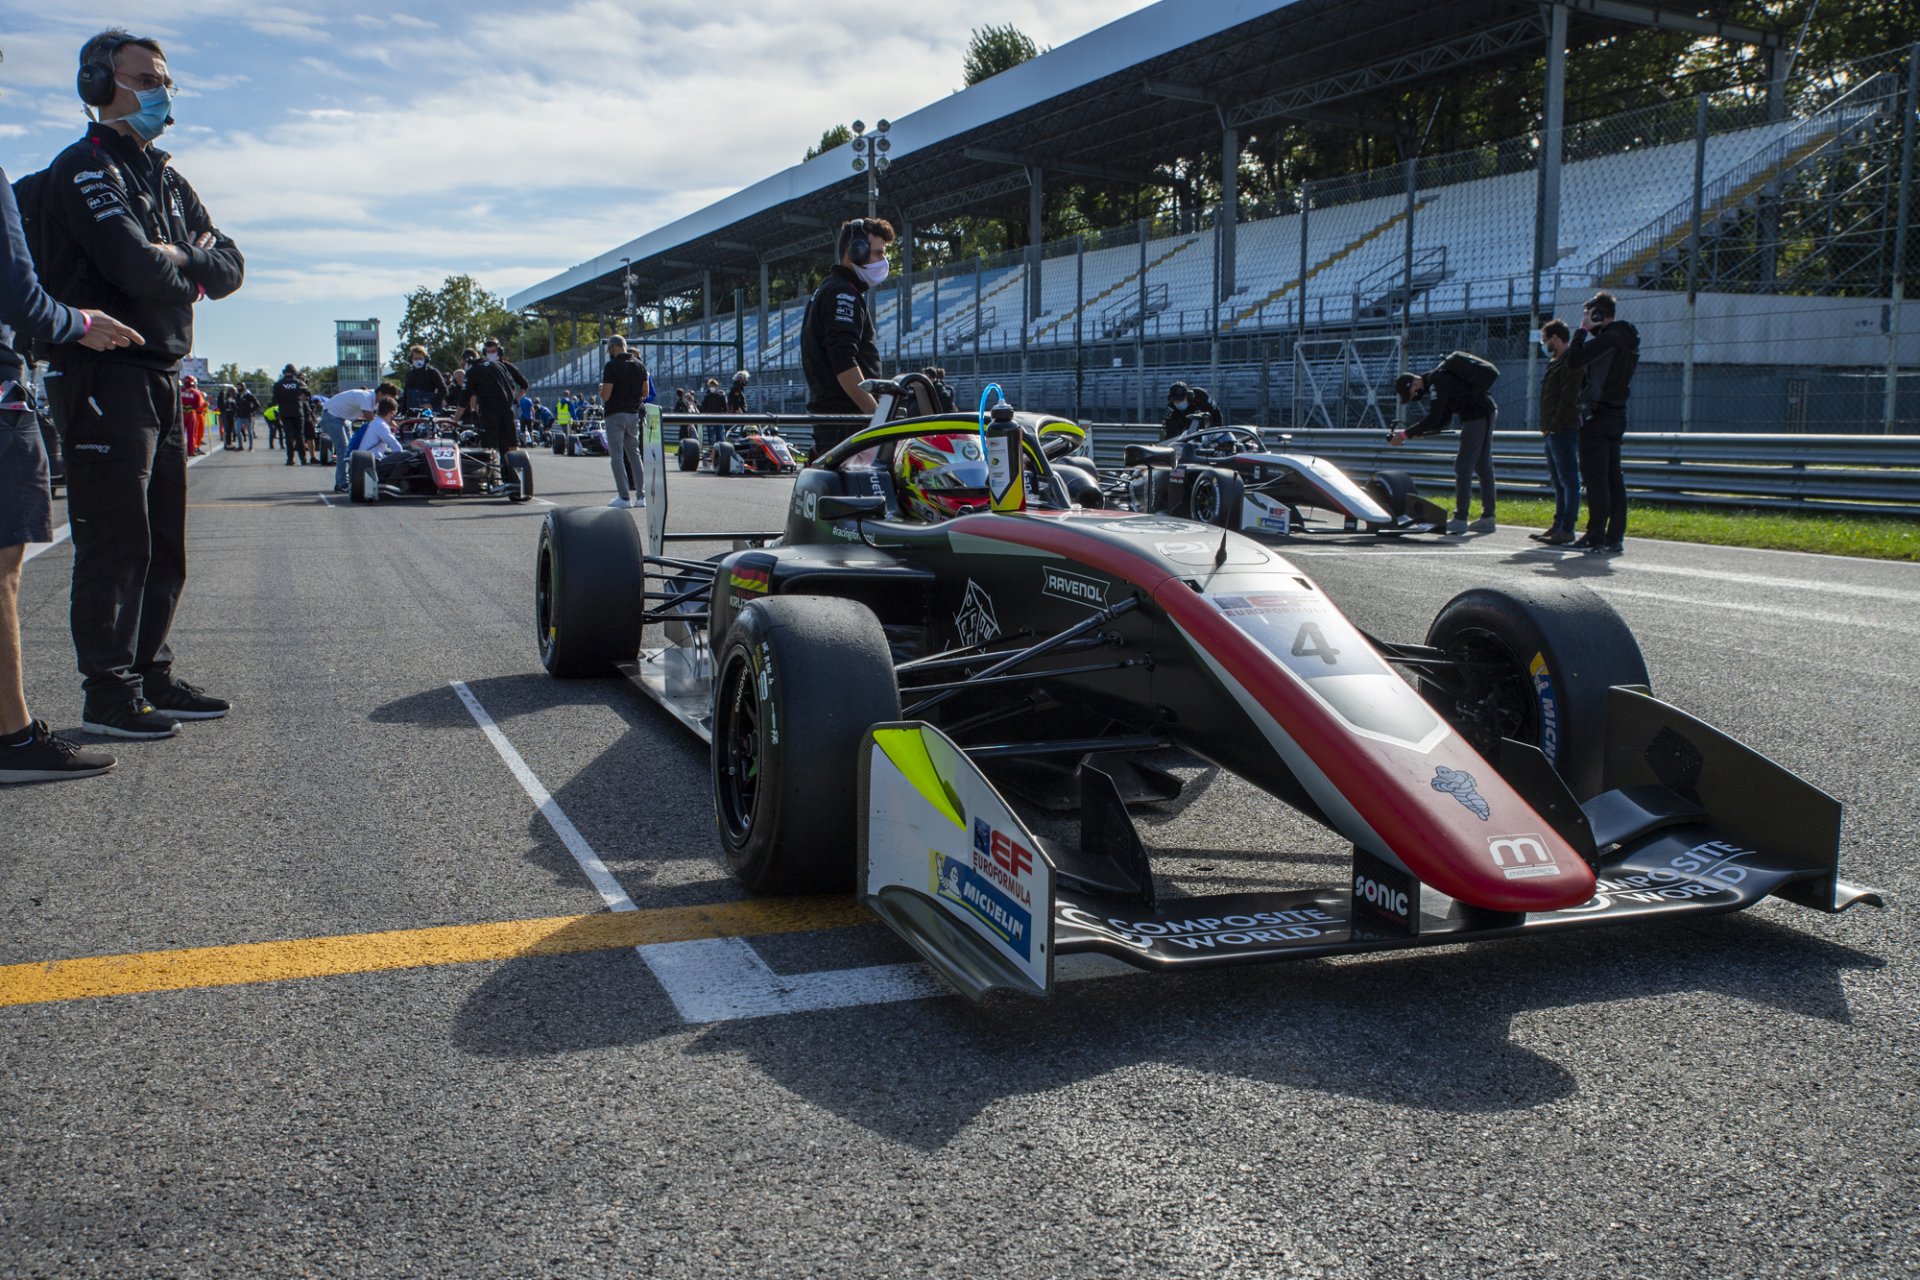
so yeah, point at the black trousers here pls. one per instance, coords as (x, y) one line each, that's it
(299, 437)
(1474, 459)
(127, 501)
(1600, 438)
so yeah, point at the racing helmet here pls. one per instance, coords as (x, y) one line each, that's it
(189, 381)
(939, 477)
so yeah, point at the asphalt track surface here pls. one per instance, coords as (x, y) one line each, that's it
(1733, 1097)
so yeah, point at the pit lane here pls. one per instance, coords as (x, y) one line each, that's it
(1623, 1102)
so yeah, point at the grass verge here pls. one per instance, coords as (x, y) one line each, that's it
(1871, 537)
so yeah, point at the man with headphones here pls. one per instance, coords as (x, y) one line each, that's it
(837, 347)
(123, 232)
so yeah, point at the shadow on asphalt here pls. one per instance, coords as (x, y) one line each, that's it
(1431, 1031)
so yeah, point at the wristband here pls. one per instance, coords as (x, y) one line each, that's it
(86, 323)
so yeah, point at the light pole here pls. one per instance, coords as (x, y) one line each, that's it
(870, 157)
(626, 293)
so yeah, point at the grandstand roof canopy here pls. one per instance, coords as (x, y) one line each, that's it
(1111, 105)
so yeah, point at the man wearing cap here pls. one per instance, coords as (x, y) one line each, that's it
(1184, 404)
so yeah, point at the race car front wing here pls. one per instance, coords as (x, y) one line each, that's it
(1691, 821)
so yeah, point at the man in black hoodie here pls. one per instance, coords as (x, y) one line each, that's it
(1459, 388)
(125, 233)
(1607, 351)
(290, 397)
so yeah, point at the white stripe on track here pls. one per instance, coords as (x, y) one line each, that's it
(65, 531)
(596, 871)
(724, 979)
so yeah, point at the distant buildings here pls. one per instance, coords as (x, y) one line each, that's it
(357, 344)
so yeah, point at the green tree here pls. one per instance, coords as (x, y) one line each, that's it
(996, 49)
(448, 320)
(837, 136)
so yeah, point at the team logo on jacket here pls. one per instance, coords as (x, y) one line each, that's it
(1459, 784)
(976, 622)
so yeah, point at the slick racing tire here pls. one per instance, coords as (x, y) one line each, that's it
(1553, 651)
(1215, 496)
(519, 476)
(726, 462)
(800, 680)
(587, 587)
(689, 453)
(363, 478)
(559, 446)
(1391, 489)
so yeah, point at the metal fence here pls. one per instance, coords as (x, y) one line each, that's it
(1759, 242)
(1851, 474)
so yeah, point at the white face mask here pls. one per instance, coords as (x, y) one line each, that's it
(419, 364)
(876, 271)
(493, 357)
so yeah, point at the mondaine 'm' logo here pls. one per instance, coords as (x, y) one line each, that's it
(1522, 857)
(1071, 586)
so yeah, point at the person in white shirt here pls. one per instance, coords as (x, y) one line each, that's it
(377, 437)
(356, 405)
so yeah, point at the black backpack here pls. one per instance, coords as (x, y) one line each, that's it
(1471, 369)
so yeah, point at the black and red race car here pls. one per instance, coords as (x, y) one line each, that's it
(745, 449)
(438, 466)
(892, 705)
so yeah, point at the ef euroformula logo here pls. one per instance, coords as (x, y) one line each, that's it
(1522, 857)
(1072, 586)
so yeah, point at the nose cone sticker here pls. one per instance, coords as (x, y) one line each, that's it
(1459, 784)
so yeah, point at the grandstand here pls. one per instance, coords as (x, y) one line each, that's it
(1303, 316)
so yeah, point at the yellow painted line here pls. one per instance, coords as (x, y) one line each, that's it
(195, 967)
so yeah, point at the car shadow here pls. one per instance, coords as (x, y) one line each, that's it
(1433, 1031)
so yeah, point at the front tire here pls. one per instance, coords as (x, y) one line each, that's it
(519, 475)
(363, 478)
(1555, 650)
(800, 680)
(688, 453)
(726, 462)
(588, 584)
(1215, 497)
(559, 446)
(1391, 489)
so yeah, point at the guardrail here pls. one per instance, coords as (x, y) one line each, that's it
(1858, 475)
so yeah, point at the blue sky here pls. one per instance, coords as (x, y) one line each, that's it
(356, 151)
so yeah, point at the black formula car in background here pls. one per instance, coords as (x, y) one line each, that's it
(744, 449)
(1234, 477)
(891, 705)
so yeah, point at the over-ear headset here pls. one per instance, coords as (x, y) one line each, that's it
(859, 242)
(95, 78)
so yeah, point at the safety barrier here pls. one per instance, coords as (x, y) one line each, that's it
(1865, 475)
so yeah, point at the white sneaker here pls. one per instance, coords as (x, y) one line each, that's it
(620, 502)
(638, 500)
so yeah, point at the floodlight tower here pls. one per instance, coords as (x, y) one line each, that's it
(870, 157)
(626, 293)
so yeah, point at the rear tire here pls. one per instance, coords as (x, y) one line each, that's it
(588, 585)
(800, 680)
(363, 478)
(519, 470)
(1560, 648)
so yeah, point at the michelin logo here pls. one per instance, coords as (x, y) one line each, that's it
(1459, 784)
(961, 885)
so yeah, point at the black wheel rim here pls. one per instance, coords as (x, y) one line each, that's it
(737, 732)
(1206, 500)
(543, 601)
(1490, 695)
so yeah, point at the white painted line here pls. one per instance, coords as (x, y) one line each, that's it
(1608, 589)
(602, 879)
(65, 531)
(1861, 591)
(725, 979)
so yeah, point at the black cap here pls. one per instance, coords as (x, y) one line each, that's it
(1403, 387)
(1177, 390)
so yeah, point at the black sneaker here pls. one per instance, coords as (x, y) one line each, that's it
(183, 701)
(47, 757)
(136, 719)
(1582, 543)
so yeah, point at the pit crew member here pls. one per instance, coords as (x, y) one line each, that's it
(425, 387)
(1183, 403)
(837, 347)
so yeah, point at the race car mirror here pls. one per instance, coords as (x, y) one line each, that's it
(949, 867)
(653, 459)
(838, 507)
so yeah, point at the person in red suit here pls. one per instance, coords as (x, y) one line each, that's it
(193, 413)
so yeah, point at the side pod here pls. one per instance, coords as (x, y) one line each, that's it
(948, 866)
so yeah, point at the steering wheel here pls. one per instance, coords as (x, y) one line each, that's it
(1224, 440)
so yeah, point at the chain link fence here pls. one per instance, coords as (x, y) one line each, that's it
(1760, 243)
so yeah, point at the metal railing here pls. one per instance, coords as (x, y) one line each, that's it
(1855, 475)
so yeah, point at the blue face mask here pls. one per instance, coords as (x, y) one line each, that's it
(1546, 349)
(1179, 404)
(155, 113)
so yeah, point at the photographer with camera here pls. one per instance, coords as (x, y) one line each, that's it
(1459, 387)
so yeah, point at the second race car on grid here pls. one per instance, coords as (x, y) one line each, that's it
(941, 647)
(437, 460)
(744, 449)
